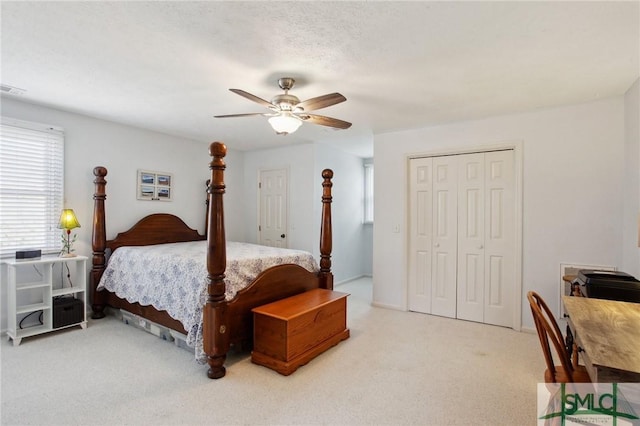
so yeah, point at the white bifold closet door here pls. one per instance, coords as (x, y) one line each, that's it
(462, 244)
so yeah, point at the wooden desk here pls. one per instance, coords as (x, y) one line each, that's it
(608, 332)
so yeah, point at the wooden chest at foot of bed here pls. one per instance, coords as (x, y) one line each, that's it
(291, 332)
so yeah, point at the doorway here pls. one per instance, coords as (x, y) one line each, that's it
(273, 207)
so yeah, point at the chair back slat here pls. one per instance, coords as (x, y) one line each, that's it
(550, 336)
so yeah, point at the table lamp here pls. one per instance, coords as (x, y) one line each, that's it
(68, 221)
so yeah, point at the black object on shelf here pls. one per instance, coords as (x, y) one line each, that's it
(611, 285)
(67, 311)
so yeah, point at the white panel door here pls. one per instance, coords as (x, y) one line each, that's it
(420, 229)
(499, 241)
(462, 236)
(471, 223)
(273, 208)
(445, 238)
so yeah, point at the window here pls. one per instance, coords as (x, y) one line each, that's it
(368, 193)
(31, 186)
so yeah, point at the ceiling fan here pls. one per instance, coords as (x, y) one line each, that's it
(288, 112)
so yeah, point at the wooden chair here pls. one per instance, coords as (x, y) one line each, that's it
(550, 335)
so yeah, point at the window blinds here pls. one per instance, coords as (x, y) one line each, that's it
(31, 186)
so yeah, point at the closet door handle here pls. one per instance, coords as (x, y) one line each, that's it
(436, 245)
(480, 247)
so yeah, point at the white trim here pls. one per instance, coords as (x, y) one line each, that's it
(386, 306)
(518, 195)
(31, 125)
(348, 280)
(466, 150)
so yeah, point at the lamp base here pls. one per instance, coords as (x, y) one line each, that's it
(68, 255)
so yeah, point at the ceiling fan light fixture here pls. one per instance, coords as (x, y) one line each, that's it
(288, 113)
(285, 123)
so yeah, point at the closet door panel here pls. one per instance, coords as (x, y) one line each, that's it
(499, 238)
(471, 224)
(445, 237)
(421, 233)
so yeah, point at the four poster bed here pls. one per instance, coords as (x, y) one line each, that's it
(225, 318)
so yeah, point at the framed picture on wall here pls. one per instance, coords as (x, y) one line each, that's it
(146, 192)
(163, 179)
(154, 186)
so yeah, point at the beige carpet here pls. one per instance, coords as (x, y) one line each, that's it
(397, 368)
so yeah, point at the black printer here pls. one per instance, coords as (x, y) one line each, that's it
(612, 285)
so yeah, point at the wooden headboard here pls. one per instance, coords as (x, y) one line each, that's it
(158, 228)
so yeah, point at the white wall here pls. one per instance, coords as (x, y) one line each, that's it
(347, 211)
(234, 208)
(123, 150)
(631, 214)
(298, 159)
(367, 250)
(572, 192)
(305, 163)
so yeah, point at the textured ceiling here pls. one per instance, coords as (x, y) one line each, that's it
(167, 66)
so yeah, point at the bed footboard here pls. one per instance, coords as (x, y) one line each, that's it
(227, 322)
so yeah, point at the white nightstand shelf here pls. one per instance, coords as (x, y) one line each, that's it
(36, 296)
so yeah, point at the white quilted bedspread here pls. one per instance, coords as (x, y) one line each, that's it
(172, 277)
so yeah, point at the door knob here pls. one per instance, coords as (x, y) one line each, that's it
(282, 236)
(436, 245)
(480, 247)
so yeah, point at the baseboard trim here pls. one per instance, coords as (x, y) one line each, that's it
(386, 306)
(348, 280)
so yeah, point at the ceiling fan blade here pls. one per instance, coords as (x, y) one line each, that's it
(321, 102)
(242, 115)
(325, 121)
(254, 98)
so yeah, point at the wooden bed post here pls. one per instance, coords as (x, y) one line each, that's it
(215, 327)
(98, 242)
(326, 277)
(206, 208)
